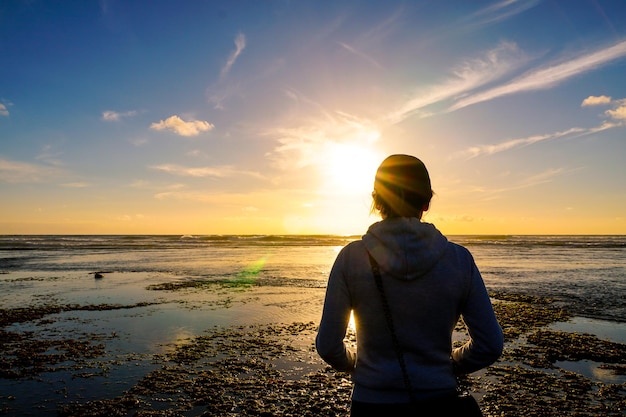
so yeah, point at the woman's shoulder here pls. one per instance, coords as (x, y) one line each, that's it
(353, 252)
(356, 246)
(459, 251)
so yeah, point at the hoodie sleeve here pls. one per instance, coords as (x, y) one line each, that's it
(486, 338)
(335, 317)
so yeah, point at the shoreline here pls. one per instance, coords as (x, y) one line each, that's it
(246, 348)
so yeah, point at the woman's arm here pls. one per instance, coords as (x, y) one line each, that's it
(335, 317)
(486, 338)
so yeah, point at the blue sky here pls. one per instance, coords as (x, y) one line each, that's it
(201, 117)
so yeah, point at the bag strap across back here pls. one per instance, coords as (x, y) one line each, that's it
(392, 330)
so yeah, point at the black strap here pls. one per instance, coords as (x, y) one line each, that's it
(394, 336)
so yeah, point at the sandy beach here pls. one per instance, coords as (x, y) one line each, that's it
(186, 347)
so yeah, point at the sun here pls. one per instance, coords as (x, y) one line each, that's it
(351, 167)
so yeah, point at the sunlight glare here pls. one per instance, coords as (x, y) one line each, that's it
(351, 167)
(351, 323)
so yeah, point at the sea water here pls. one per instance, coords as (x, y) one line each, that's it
(586, 273)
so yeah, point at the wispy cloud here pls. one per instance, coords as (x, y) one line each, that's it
(183, 128)
(129, 217)
(469, 75)
(75, 185)
(186, 195)
(113, 116)
(617, 114)
(501, 11)
(548, 76)
(528, 182)
(478, 150)
(50, 156)
(574, 132)
(307, 144)
(229, 201)
(216, 172)
(240, 45)
(494, 65)
(24, 172)
(139, 141)
(3, 110)
(361, 55)
(486, 193)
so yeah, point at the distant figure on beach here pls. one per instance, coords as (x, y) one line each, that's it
(407, 286)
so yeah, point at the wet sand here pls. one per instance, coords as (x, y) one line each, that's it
(139, 345)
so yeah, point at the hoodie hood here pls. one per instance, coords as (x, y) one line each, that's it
(404, 247)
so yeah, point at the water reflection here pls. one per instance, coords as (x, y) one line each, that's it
(592, 370)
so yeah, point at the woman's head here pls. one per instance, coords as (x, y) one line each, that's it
(402, 187)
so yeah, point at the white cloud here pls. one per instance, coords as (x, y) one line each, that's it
(3, 110)
(548, 76)
(595, 101)
(240, 45)
(181, 127)
(113, 116)
(619, 113)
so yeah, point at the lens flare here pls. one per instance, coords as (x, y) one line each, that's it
(249, 275)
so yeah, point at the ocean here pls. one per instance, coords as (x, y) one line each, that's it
(585, 273)
(157, 292)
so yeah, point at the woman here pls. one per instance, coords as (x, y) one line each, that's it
(428, 283)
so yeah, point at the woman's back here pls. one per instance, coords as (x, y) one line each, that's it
(427, 281)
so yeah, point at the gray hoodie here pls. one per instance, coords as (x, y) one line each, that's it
(429, 283)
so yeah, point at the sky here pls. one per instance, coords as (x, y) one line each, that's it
(271, 117)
